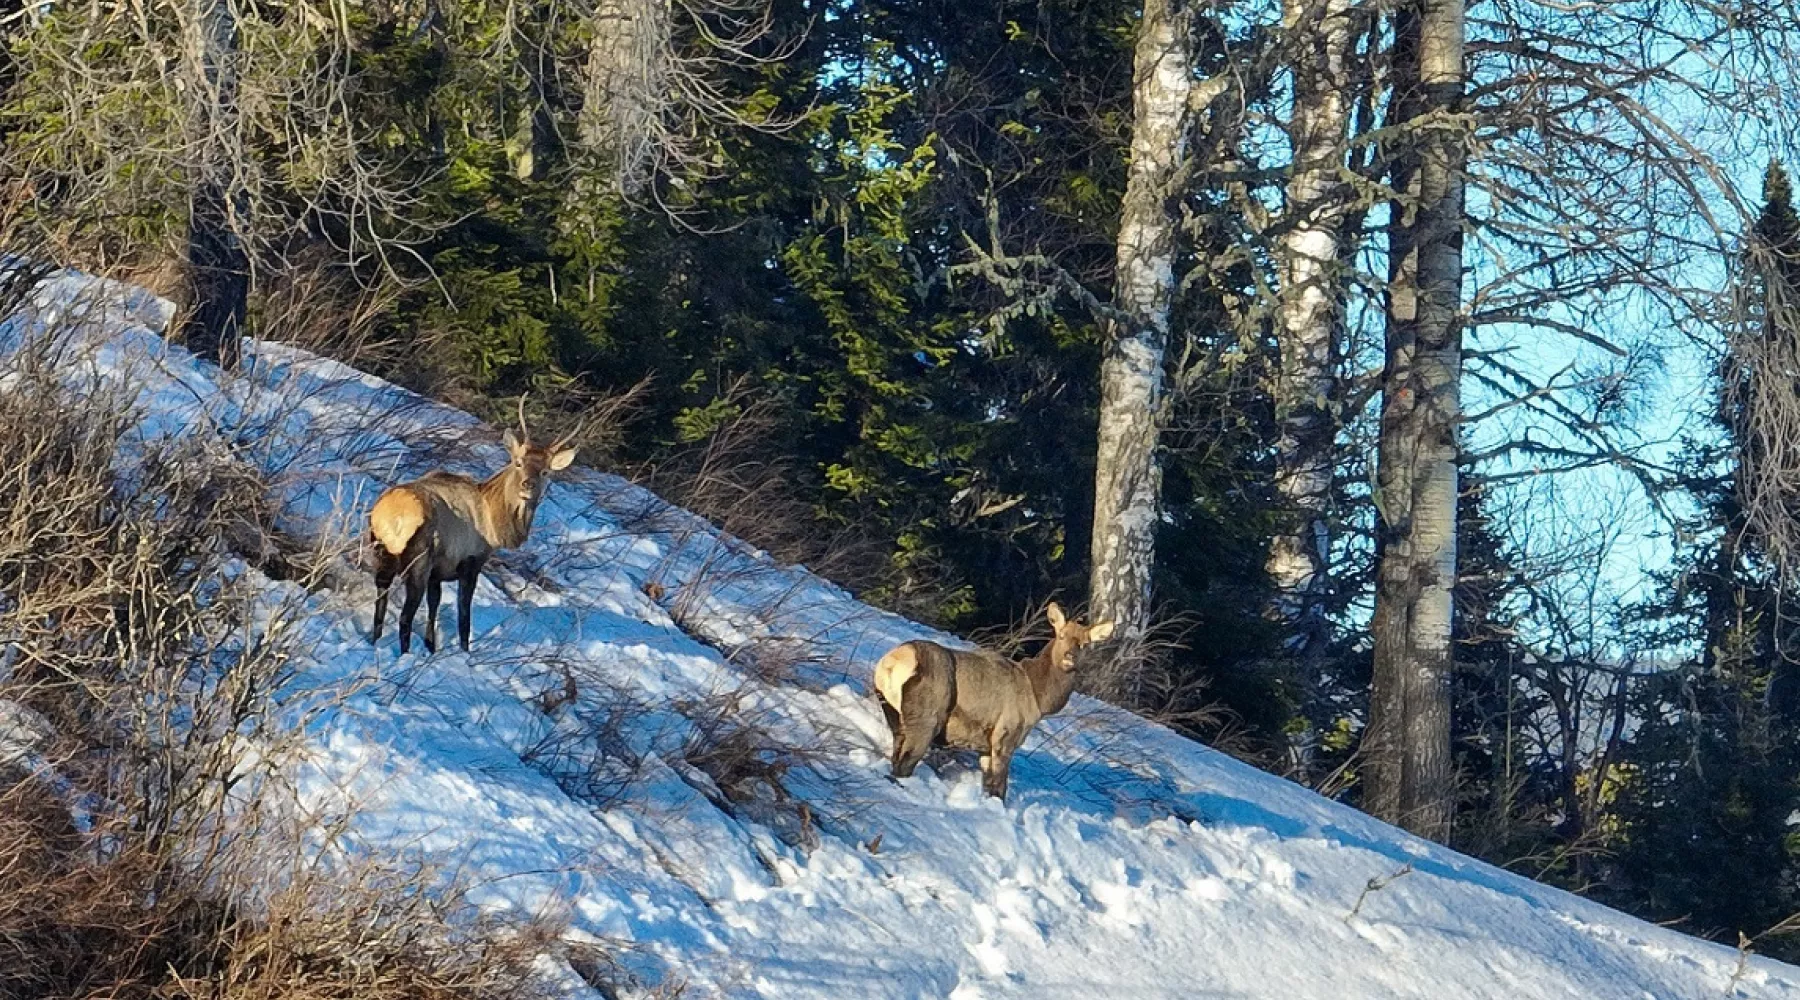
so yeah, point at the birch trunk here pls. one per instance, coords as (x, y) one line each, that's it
(218, 265)
(627, 88)
(1128, 473)
(1309, 315)
(1408, 740)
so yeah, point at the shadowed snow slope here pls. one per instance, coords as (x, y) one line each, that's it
(562, 768)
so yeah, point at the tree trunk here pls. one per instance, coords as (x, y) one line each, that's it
(1128, 473)
(218, 264)
(627, 89)
(1407, 747)
(534, 139)
(1309, 316)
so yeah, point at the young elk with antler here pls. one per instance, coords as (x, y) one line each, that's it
(443, 526)
(976, 700)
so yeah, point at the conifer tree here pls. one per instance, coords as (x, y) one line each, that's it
(1714, 767)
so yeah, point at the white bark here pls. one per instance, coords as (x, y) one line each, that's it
(1309, 315)
(1128, 474)
(1408, 740)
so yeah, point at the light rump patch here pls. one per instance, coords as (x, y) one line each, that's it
(892, 673)
(396, 518)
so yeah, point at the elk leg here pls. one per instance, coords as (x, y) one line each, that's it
(408, 608)
(895, 731)
(908, 752)
(434, 592)
(384, 578)
(919, 728)
(996, 766)
(467, 576)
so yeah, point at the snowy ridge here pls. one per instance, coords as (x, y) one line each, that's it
(552, 768)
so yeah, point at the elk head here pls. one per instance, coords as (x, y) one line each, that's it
(531, 464)
(1071, 636)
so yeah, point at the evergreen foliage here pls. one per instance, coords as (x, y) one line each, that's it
(1713, 770)
(887, 265)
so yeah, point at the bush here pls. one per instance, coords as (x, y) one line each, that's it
(143, 681)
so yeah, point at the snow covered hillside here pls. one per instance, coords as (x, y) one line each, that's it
(612, 760)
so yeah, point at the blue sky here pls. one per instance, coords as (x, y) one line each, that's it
(1597, 527)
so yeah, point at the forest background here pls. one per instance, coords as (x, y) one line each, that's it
(1412, 380)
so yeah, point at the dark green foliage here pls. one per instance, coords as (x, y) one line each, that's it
(1705, 804)
(942, 418)
(1713, 771)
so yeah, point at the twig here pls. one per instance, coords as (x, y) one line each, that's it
(1786, 925)
(1376, 884)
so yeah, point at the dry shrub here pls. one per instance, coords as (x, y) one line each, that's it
(749, 765)
(594, 747)
(316, 305)
(738, 476)
(103, 914)
(72, 925)
(603, 968)
(588, 750)
(147, 695)
(124, 623)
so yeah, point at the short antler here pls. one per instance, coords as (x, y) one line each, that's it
(563, 441)
(446, 527)
(580, 428)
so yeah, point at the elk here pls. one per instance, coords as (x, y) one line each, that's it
(443, 526)
(976, 700)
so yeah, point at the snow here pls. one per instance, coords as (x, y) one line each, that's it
(1128, 861)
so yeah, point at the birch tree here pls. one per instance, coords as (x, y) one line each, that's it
(1128, 473)
(1309, 266)
(1407, 745)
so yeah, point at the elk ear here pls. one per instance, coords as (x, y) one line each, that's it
(1101, 632)
(514, 446)
(561, 458)
(1055, 613)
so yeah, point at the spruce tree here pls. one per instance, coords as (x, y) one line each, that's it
(1713, 770)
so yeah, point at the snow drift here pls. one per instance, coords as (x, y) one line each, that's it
(624, 764)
